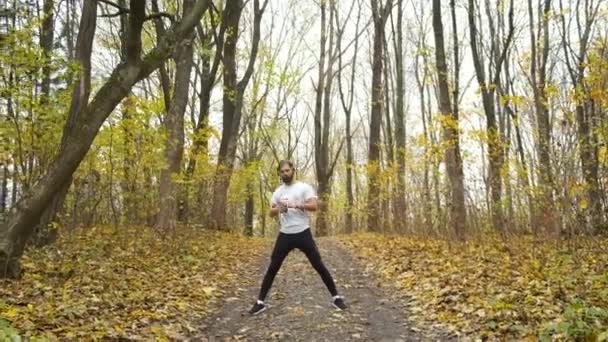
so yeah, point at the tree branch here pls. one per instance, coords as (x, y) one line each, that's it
(124, 10)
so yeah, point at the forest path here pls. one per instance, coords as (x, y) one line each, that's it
(299, 306)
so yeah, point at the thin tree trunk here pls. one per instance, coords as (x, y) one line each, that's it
(200, 148)
(46, 43)
(387, 221)
(4, 190)
(321, 148)
(488, 86)
(347, 107)
(544, 216)
(400, 213)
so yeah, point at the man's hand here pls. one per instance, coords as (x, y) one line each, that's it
(296, 205)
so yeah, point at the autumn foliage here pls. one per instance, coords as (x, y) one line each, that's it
(528, 288)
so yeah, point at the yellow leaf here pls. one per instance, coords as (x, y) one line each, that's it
(11, 313)
(209, 290)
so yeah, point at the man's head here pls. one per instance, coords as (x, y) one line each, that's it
(286, 171)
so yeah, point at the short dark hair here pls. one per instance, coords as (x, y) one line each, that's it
(285, 162)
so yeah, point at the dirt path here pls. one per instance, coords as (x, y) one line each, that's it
(299, 305)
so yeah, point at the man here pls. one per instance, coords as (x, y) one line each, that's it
(291, 201)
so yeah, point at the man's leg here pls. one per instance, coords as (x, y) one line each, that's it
(281, 249)
(307, 245)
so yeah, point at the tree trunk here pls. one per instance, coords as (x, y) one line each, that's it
(380, 16)
(458, 217)
(232, 104)
(174, 124)
(200, 142)
(347, 107)
(129, 181)
(387, 219)
(322, 120)
(488, 86)
(45, 232)
(584, 113)
(249, 209)
(19, 227)
(538, 68)
(46, 43)
(4, 190)
(399, 204)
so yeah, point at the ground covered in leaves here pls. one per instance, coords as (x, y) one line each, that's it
(137, 283)
(125, 282)
(525, 288)
(300, 309)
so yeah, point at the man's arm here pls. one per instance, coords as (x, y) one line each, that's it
(310, 205)
(276, 209)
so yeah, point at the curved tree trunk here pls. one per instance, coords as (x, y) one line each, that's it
(19, 227)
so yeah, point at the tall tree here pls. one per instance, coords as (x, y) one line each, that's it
(380, 15)
(458, 215)
(544, 214)
(232, 102)
(18, 228)
(208, 71)
(399, 203)
(347, 105)
(45, 232)
(174, 124)
(324, 163)
(576, 63)
(488, 85)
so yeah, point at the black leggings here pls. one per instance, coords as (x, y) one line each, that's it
(285, 244)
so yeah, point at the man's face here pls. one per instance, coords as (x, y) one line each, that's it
(286, 173)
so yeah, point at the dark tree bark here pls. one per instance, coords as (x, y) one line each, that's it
(45, 233)
(324, 165)
(380, 15)
(174, 124)
(46, 43)
(458, 215)
(232, 104)
(399, 204)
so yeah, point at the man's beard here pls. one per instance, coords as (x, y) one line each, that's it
(287, 179)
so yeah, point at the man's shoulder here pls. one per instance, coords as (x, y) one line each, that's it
(305, 186)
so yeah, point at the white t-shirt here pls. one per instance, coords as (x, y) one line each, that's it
(294, 220)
